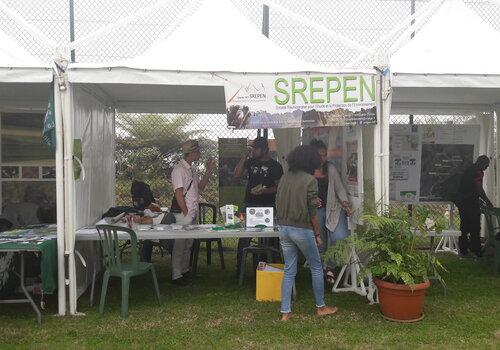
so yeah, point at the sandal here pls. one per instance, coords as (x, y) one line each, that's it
(329, 276)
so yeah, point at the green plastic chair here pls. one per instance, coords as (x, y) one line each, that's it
(492, 246)
(116, 268)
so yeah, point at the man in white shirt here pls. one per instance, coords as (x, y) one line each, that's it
(187, 186)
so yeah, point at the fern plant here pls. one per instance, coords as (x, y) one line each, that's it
(390, 241)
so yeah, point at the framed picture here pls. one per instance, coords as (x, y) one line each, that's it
(30, 172)
(10, 172)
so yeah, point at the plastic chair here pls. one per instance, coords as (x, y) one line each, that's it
(263, 248)
(492, 245)
(116, 268)
(202, 219)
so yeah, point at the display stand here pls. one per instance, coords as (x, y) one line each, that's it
(350, 282)
(447, 244)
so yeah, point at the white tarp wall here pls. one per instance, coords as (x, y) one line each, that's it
(94, 130)
(93, 125)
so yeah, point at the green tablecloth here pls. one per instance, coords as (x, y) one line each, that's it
(48, 249)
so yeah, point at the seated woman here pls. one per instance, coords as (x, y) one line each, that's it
(299, 226)
(333, 205)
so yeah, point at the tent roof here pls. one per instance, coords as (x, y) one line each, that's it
(217, 37)
(17, 65)
(179, 73)
(24, 79)
(454, 41)
(452, 60)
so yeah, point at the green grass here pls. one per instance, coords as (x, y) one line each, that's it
(215, 313)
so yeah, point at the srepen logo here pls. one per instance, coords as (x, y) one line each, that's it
(255, 91)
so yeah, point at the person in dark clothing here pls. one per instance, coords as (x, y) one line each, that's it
(469, 200)
(264, 174)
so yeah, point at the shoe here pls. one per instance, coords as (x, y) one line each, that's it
(186, 274)
(326, 311)
(463, 256)
(286, 317)
(181, 282)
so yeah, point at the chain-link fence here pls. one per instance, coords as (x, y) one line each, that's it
(147, 144)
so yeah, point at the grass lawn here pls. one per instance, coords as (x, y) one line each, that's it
(215, 312)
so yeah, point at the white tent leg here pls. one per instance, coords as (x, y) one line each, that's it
(377, 153)
(61, 273)
(70, 197)
(497, 154)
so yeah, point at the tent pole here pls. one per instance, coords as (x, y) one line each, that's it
(70, 199)
(265, 31)
(377, 168)
(72, 26)
(497, 154)
(386, 110)
(61, 273)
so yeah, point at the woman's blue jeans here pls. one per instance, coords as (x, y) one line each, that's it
(328, 237)
(293, 240)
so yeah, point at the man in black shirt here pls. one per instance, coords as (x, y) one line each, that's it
(264, 174)
(468, 200)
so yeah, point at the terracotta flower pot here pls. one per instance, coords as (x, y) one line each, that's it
(401, 303)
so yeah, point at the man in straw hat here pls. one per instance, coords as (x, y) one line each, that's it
(187, 187)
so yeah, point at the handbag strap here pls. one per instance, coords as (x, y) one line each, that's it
(189, 187)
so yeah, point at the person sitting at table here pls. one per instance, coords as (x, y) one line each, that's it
(264, 174)
(296, 203)
(187, 187)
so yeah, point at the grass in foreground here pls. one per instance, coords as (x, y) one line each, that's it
(215, 313)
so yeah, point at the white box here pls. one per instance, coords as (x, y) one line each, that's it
(260, 216)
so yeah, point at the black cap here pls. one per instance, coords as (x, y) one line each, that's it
(260, 142)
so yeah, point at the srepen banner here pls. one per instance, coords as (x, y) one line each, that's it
(262, 101)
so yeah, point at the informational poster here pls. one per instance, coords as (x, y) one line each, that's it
(231, 190)
(352, 169)
(404, 163)
(446, 151)
(423, 157)
(258, 101)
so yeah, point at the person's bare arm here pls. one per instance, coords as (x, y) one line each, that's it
(483, 196)
(239, 171)
(270, 190)
(179, 195)
(316, 230)
(209, 167)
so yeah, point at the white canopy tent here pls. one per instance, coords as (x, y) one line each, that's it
(184, 73)
(451, 66)
(25, 85)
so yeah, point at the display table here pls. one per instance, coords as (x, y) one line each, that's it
(448, 241)
(148, 232)
(23, 241)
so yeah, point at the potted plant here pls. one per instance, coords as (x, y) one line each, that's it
(399, 268)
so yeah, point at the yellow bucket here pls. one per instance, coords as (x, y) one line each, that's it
(268, 284)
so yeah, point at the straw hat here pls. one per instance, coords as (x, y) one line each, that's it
(190, 146)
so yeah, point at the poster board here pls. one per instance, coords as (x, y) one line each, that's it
(299, 100)
(231, 189)
(352, 169)
(418, 170)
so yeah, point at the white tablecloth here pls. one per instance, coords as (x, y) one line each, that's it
(144, 232)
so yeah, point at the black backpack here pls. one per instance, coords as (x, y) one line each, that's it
(142, 196)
